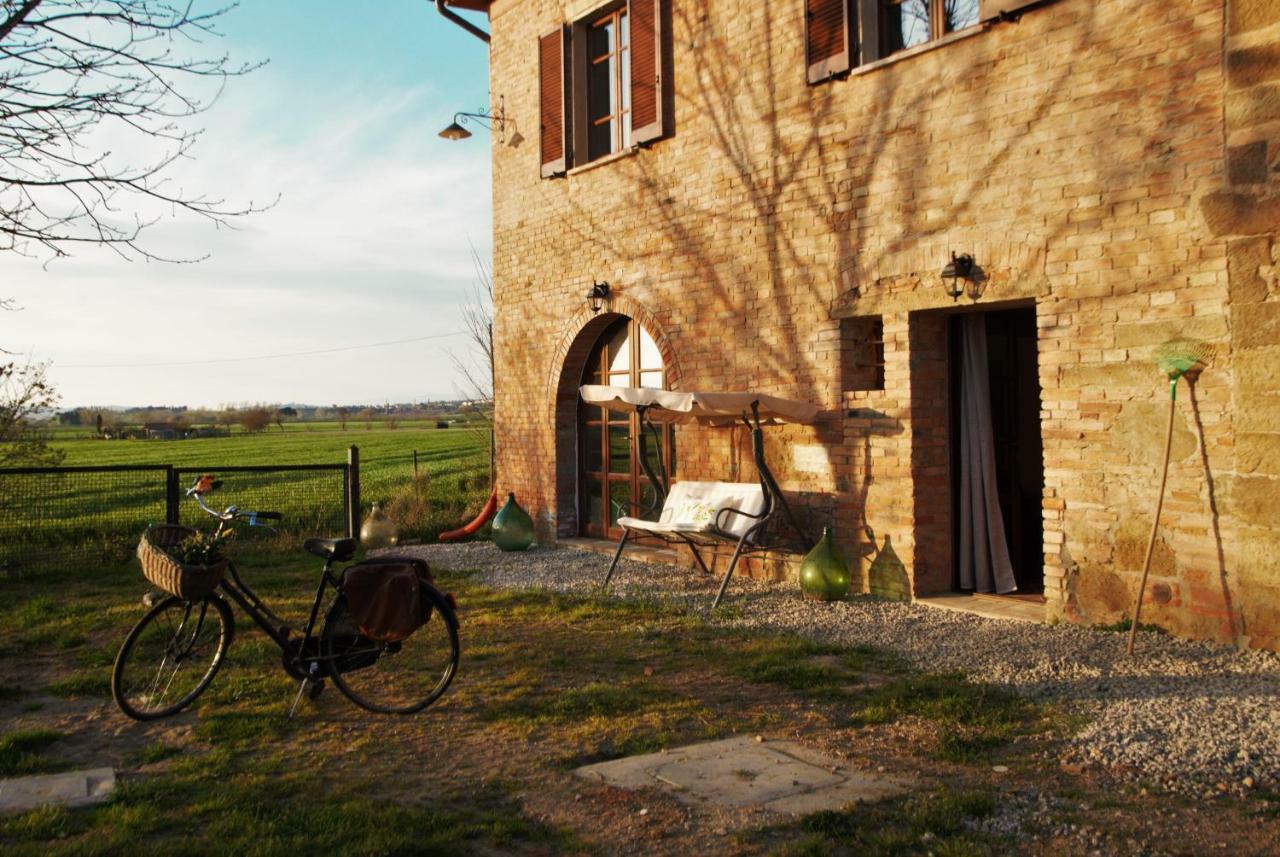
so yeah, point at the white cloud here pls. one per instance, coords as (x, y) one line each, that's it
(369, 242)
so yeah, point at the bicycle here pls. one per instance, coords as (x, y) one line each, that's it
(174, 652)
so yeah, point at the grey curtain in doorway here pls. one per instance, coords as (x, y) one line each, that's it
(984, 553)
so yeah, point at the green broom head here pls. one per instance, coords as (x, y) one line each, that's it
(1177, 357)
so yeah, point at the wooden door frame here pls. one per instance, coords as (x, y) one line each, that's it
(634, 476)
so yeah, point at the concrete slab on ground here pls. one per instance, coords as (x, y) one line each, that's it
(738, 773)
(72, 788)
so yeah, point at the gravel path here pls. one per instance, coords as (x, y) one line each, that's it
(1196, 717)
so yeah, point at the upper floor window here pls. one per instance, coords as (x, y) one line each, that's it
(907, 23)
(608, 84)
(841, 34)
(600, 85)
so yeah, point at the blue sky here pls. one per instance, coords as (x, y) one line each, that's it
(370, 241)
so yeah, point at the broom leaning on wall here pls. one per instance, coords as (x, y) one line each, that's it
(1176, 358)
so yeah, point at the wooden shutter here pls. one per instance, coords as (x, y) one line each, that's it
(553, 141)
(826, 38)
(646, 69)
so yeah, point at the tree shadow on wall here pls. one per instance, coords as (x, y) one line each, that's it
(792, 186)
(775, 155)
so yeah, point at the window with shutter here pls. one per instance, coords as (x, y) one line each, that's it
(553, 140)
(827, 39)
(611, 95)
(906, 23)
(840, 34)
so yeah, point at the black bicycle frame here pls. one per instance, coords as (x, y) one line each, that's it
(264, 617)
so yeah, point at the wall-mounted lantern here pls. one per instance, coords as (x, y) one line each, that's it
(494, 120)
(597, 296)
(958, 274)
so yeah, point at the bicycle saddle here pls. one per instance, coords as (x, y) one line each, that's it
(340, 550)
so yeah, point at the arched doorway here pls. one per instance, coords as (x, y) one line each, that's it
(611, 480)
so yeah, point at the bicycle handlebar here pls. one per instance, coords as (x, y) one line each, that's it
(208, 483)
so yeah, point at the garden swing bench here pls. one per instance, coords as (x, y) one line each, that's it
(707, 514)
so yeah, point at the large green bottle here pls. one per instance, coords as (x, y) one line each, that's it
(512, 527)
(824, 575)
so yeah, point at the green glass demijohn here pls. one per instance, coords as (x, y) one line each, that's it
(824, 575)
(512, 527)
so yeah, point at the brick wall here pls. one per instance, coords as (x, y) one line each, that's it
(1081, 155)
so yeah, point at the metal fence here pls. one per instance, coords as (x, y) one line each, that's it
(75, 517)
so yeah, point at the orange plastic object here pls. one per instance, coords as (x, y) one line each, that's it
(485, 514)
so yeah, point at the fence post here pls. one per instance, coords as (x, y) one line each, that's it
(415, 464)
(172, 495)
(353, 492)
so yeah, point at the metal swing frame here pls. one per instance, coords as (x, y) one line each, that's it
(749, 542)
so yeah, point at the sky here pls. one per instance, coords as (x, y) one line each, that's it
(370, 242)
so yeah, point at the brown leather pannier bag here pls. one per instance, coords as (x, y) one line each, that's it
(385, 596)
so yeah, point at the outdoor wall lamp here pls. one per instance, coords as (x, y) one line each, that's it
(596, 297)
(957, 273)
(494, 120)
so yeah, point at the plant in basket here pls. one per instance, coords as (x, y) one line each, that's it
(200, 548)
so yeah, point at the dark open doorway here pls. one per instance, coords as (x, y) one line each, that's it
(1015, 425)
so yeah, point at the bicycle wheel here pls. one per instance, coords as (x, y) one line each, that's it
(170, 656)
(392, 678)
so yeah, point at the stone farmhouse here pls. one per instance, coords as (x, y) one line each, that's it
(771, 192)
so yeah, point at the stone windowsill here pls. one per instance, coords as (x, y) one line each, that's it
(601, 161)
(909, 53)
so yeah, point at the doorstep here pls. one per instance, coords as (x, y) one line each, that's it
(990, 607)
(634, 552)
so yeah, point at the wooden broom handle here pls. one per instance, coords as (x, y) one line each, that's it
(1155, 520)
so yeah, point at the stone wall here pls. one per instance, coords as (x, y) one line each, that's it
(1080, 154)
(1246, 213)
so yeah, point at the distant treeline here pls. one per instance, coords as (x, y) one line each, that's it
(180, 421)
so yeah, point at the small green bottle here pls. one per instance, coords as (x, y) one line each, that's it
(512, 527)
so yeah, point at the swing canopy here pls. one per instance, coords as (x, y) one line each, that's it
(703, 408)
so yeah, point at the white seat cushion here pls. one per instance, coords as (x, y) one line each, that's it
(694, 507)
(660, 527)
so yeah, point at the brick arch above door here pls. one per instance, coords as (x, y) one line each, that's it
(577, 337)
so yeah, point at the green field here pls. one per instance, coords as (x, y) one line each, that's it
(46, 519)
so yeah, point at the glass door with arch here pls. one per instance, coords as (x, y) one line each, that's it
(613, 483)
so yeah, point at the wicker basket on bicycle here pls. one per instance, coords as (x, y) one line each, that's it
(185, 581)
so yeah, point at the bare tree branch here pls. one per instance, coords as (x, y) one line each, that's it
(476, 364)
(76, 77)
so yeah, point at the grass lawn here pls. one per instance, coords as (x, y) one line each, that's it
(386, 455)
(76, 519)
(547, 683)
